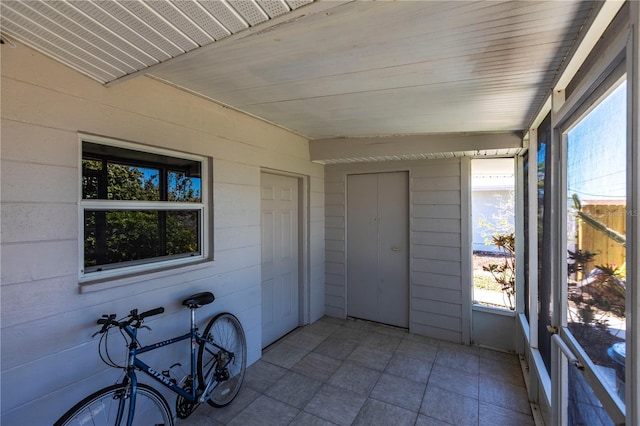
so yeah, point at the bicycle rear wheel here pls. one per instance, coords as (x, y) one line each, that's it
(225, 331)
(101, 408)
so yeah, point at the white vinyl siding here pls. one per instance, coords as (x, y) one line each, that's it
(49, 361)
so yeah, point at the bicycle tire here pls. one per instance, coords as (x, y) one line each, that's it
(101, 407)
(226, 331)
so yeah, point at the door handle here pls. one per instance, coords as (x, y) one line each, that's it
(571, 358)
(395, 248)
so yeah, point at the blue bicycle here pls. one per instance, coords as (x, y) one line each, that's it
(215, 376)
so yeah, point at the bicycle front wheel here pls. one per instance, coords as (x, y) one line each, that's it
(224, 368)
(101, 408)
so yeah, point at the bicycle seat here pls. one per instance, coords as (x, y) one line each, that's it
(199, 299)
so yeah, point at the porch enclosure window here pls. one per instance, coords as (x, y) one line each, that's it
(525, 248)
(596, 197)
(138, 208)
(493, 207)
(544, 240)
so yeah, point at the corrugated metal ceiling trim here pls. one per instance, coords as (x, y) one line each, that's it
(311, 8)
(49, 49)
(131, 36)
(490, 153)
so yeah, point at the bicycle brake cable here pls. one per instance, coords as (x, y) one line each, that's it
(103, 349)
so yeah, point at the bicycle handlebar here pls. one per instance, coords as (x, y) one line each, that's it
(151, 312)
(134, 319)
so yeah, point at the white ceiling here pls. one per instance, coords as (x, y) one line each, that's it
(325, 69)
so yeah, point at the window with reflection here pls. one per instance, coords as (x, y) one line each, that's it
(138, 207)
(544, 238)
(493, 207)
(596, 176)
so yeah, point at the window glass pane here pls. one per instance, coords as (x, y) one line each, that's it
(493, 203)
(544, 238)
(119, 182)
(583, 406)
(133, 183)
(182, 232)
(119, 236)
(183, 188)
(91, 172)
(596, 226)
(527, 218)
(115, 173)
(130, 232)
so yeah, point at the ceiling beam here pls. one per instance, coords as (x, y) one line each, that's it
(406, 145)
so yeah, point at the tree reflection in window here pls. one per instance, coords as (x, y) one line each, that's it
(126, 231)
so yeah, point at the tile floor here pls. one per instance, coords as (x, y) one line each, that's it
(350, 372)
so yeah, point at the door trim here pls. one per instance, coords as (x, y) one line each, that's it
(466, 242)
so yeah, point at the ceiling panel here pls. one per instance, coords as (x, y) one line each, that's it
(109, 39)
(274, 7)
(90, 30)
(332, 69)
(250, 11)
(393, 67)
(202, 18)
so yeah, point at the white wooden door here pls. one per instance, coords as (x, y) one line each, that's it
(279, 256)
(378, 247)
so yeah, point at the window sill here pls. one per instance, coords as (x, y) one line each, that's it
(99, 284)
(497, 311)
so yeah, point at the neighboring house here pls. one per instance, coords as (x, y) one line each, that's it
(486, 208)
(317, 195)
(492, 201)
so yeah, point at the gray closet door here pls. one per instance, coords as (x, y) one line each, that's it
(378, 247)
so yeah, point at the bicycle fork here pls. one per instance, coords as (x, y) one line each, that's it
(126, 395)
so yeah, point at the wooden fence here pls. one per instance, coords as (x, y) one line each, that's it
(607, 251)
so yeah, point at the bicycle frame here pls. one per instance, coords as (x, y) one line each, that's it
(134, 363)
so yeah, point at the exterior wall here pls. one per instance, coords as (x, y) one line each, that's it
(49, 360)
(439, 258)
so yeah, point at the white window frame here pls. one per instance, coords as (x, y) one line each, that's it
(114, 272)
(566, 342)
